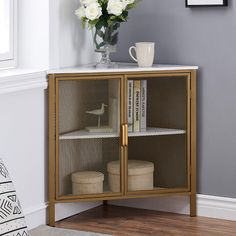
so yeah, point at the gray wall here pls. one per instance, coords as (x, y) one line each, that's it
(205, 37)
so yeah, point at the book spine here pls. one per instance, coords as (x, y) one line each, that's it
(136, 125)
(143, 106)
(130, 105)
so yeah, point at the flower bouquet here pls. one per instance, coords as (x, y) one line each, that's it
(103, 17)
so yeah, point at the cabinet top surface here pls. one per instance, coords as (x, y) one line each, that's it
(121, 67)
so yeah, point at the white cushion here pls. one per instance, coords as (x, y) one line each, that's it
(12, 220)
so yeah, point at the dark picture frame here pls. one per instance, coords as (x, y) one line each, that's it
(215, 3)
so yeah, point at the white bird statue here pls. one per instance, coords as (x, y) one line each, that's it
(98, 112)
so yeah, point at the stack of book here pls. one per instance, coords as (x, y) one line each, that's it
(137, 105)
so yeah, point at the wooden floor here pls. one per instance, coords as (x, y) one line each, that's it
(131, 222)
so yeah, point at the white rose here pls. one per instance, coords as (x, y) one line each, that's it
(80, 12)
(115, 7)
(93, 11)
(87, 2)
(127, 2)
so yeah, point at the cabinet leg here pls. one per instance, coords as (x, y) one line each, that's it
(193, 207)
(105, 203)
(52, 214)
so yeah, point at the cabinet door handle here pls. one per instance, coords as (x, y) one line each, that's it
(124, 135)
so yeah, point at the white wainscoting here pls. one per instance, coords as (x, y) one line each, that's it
(23, 136)
(23, 143)
(19, 80)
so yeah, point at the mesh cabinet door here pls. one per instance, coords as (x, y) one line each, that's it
(159, 141)
(88, 136)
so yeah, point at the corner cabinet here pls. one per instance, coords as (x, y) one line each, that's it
(88, 128)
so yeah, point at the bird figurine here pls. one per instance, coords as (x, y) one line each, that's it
(98, 112)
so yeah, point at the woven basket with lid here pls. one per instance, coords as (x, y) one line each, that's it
(140, 175)
(87, 182)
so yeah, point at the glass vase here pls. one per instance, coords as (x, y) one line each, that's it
(105, 39)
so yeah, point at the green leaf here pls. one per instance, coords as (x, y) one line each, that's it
(130, 6)
(92, 23)
(122, 18)
(125, 14)
(133, 5)
(83, 22)
(112, 19)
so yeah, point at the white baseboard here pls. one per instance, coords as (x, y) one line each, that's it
(207, 206)
(216, 207)
(37, 215)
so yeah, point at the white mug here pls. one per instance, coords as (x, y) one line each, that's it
(144, 52)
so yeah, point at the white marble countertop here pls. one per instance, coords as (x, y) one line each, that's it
(122, 67)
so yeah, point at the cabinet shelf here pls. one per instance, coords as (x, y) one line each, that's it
(151, 131)
(84, 134)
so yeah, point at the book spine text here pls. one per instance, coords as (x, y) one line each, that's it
(130, 105)
(143, 107)
(136, 125)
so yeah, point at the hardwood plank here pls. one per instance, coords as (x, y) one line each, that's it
(126, 221)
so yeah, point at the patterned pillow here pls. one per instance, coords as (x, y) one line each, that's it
(12, 220)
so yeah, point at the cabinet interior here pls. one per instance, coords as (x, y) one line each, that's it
(78, 96)
(85, 155)
(166, 102)
(167, 153)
